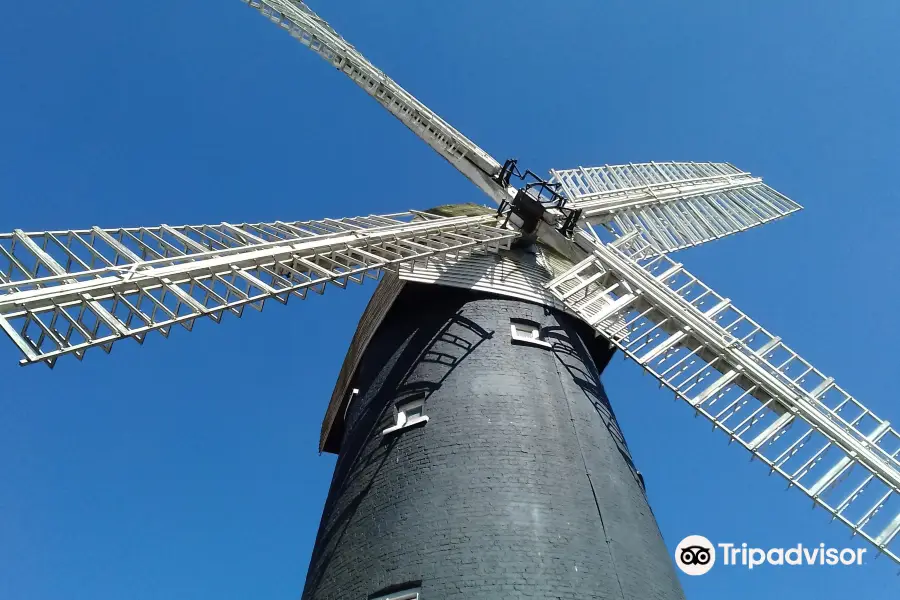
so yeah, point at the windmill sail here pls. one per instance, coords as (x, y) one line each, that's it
(673, 205)
(745, 380)
(312, 31)
(62, 292)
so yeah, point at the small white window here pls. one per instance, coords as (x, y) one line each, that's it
(408, 414)
(408, 594)
(527, 332)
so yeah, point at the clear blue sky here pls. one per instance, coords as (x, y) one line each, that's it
(188, 468)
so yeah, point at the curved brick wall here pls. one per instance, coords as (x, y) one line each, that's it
(520, 484)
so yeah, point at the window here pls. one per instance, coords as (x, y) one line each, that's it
(407, 594)
(527, 332)
(409, 413)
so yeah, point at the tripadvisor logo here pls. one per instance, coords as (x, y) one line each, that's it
(696, 555)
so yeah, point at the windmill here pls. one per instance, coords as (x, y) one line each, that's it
(590, 245)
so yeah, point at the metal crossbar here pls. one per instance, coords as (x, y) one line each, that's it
(63, 292)
(673, 205)
(312, 31)
(745, 380)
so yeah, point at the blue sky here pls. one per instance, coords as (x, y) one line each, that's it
(187, 468)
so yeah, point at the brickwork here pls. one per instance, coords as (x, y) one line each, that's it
(520, 485)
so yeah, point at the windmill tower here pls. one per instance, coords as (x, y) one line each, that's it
(477, 448)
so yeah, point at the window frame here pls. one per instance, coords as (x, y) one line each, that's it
(534, 335)
(407, 594)
(402, 421)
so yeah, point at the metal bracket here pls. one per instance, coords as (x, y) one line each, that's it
(538, 200)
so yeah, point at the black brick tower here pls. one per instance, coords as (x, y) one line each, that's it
(520, 483)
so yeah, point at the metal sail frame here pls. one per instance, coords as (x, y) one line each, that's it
(64, 292)
(745, 380)
(673, 205)
(312, 31)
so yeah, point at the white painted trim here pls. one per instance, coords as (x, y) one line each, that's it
(412, 594)
(402, 421)
(406, 425)
(518, 335)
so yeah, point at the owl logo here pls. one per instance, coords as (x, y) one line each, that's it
(695, 555)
